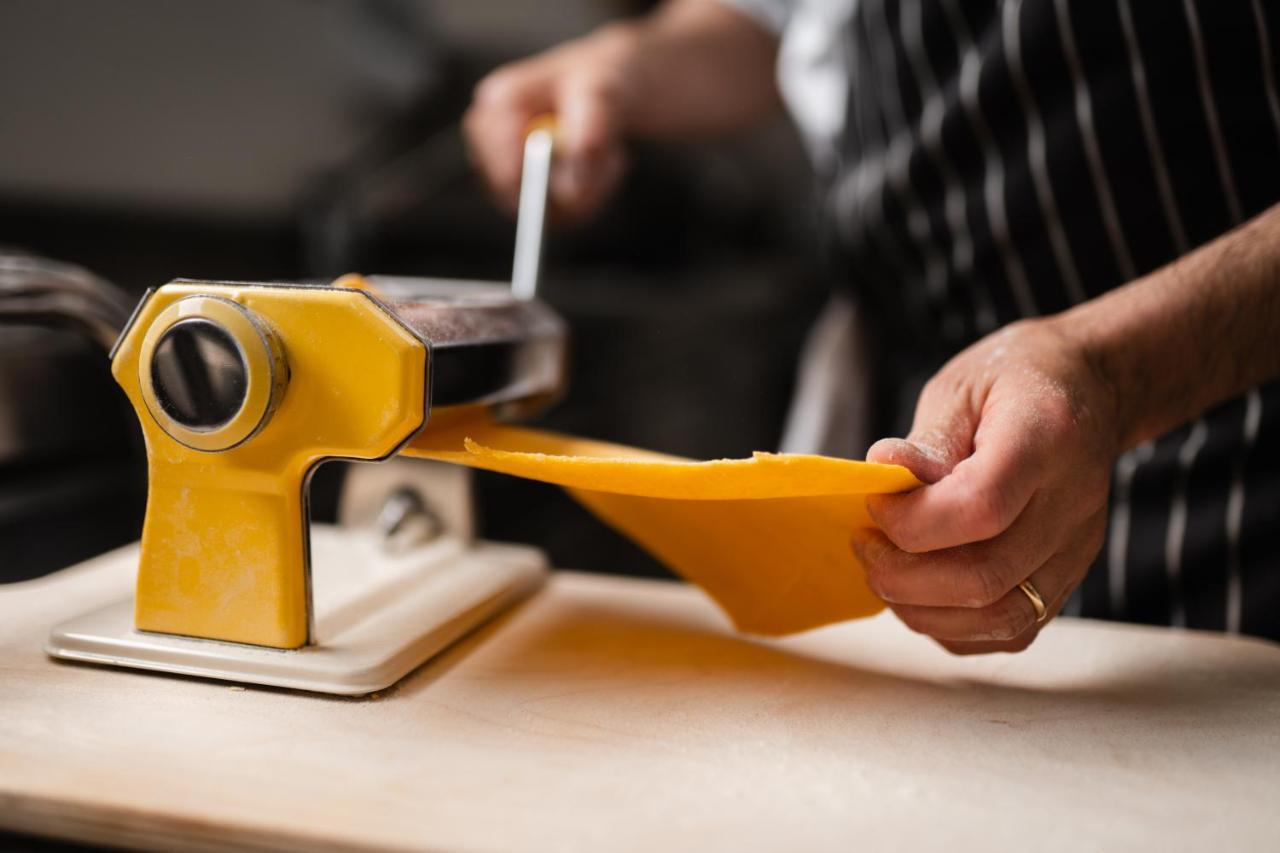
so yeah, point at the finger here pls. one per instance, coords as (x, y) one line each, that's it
(588, 161)
(588, 112)
(1011, 624)
(1008, 618)
(967, 576)
(941, 436)
(495, 127)
(927, 463)
(1002, 621)
(1017, 644)
(587, 193)
(980, 497)
(964, 649)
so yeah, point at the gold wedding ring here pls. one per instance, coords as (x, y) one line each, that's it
(1037, 601)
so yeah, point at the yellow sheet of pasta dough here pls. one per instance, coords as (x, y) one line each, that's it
(766, 537)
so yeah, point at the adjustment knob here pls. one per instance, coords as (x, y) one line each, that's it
(199, 374)
(211, 372)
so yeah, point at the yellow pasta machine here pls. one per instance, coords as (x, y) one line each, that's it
(242, 389)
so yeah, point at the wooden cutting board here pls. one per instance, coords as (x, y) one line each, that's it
(623, 714)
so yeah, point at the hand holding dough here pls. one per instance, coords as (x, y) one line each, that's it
(767, 537)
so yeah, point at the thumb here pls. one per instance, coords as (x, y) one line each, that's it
(941, 437)
(919, 459)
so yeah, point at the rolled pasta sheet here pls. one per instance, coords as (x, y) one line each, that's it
(768, 538)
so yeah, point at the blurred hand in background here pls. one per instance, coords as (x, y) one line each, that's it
(692, 69)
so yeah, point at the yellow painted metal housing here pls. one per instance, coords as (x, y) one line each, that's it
(224, 545)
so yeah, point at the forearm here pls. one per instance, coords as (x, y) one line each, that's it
(697, 68)
(1190, 335)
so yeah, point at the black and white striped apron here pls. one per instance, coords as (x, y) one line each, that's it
(1002, 159)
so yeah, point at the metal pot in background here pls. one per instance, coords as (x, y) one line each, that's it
(72, 476)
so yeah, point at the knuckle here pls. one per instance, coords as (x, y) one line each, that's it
(1059, 406)
(876, 580)
(878, 564)
(977, 586)
(986, 511)
(907, 540)
(499, 88)
(597, 87)
(896, 527)
(870, 549)
(1057, 419)
(489, 88)
(1009, 620)
(900, 540)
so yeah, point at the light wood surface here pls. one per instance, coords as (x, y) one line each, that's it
(611, 714)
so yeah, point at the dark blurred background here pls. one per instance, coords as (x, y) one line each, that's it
(150, 139)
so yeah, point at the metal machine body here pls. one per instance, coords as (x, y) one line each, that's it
(380, 606)
(242, 389)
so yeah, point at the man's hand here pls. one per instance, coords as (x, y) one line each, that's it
(1017, 435)
(693, 68)
(587, 85)
(1016, 438)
